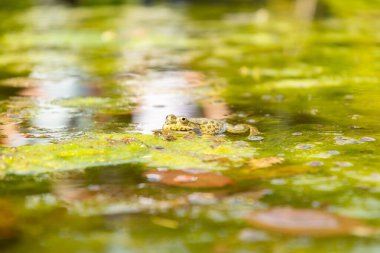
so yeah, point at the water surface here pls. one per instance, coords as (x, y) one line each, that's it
(310, 83)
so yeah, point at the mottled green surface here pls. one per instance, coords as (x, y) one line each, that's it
(74, 80)
(108, 149)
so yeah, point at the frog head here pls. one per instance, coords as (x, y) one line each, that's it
(180, 123)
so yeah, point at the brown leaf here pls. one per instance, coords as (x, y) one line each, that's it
(306, 222)
(258, 163)
(188, 178)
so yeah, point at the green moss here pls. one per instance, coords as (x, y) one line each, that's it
(107, 149)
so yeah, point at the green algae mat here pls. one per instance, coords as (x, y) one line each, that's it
(83, 88)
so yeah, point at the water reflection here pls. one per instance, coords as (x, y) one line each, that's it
(58, 85)
(10, 134)
(49, 121)
(55, 76)
(104, 184)
(174, 92)
(59, 82)
(163, 93)
(6, 92)
(122, 189)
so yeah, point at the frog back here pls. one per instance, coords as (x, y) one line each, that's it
(209, 126)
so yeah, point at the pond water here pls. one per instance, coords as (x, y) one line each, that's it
(82, 88)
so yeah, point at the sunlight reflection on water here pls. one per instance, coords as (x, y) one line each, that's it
(50, 121)
(57, 85)
(162, 94)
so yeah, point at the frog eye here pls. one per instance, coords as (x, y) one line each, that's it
(183, 119)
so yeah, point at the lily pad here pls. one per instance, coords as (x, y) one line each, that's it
(188, 178)
(306, 222)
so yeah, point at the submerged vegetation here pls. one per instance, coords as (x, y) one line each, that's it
(83, 87)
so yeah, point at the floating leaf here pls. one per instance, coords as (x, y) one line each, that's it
(188, 178)
(258, 163)
(306, 222)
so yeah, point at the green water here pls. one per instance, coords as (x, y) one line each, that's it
(75, 82)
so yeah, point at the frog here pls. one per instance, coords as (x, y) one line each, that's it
(205, 126)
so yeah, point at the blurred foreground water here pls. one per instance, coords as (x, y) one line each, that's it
(306, 73)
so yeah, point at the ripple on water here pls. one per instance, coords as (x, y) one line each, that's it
(367, 139)
(327, 154)
(342, 140)
(315, 163)
(333, 152)
(343, 164)
(256, 138)
(304, 146)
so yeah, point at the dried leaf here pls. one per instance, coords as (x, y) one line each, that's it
(188, 178)
(306, 222)
(258, 163)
